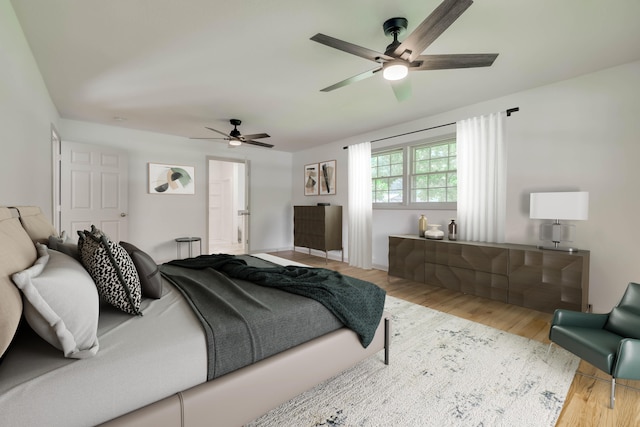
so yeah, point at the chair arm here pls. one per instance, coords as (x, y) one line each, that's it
(627, 364)
(563, 317)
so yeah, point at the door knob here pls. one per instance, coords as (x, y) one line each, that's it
(123, 214)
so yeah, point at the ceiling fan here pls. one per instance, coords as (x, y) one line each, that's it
(401, 57)
(235, 138)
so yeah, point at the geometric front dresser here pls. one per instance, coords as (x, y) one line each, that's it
(523, 275)
(406, 258)
(543, 279)
(473, 269)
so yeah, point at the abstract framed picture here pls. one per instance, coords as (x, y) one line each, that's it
(327, 171)
(171, 179)
(311, 180)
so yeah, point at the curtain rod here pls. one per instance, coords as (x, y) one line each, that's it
(508, 111)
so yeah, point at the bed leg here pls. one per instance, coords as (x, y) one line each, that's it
(387, 339)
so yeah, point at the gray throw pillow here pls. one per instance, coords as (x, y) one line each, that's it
(64, 244)
(148, 271)
(61, 303)
(112, 270)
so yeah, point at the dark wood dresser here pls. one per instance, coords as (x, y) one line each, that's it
(318, 227)
(523, 275)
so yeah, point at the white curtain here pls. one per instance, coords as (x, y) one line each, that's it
(360, 210)
(482, 172)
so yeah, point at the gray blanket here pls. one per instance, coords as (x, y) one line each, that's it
(252, 312)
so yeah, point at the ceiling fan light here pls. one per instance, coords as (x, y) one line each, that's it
(395, 70)
(235, 142)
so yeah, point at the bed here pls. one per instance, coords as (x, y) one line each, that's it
(155, 368)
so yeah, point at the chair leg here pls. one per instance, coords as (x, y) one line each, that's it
(613, 392)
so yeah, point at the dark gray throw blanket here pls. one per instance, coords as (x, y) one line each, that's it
(356, 303)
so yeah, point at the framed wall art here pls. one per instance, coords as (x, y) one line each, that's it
(311, 180)
(327, 172)
(171, 179)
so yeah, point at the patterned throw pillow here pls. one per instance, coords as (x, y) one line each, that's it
(112, 270)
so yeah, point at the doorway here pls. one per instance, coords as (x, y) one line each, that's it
(228, 206)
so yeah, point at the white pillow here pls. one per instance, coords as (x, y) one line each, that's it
(61, 303)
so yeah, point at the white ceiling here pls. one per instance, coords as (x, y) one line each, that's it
(177, 66)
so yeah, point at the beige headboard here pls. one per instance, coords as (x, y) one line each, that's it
(37, 225)
(20, 227)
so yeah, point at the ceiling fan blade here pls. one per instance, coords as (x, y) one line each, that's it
(401, 89)
(351, 48)
(432, 27)
(350, 80)
(221, 133)
(256, 136)
(463, 60)
(208, 138)
(261, 144)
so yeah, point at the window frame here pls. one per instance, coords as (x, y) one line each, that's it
(407, 175)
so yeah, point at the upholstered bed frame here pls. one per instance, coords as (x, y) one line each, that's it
(243, 395)
(230, 400)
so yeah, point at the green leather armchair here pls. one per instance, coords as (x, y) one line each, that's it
(610, 342)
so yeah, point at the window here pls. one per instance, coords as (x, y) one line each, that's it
(433, 173)
(387, 174)
(420, 175)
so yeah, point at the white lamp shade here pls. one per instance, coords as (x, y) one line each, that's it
(573, 205)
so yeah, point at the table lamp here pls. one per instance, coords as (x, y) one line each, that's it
(573, 205)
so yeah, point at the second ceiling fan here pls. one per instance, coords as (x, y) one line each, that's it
(235, 138)
(401, 57)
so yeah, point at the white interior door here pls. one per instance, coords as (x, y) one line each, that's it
(228, 209)
(93, 189)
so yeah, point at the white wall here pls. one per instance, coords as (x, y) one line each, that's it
(26, 117)
(156, 220)
(578, 134)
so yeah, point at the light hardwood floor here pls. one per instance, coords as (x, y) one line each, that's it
(587, 402)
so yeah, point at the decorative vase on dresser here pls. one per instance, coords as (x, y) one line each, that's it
(434, 232)
(422, 225)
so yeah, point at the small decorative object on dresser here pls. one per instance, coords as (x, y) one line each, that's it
(422, 225)
(453, 230)
(434, 232)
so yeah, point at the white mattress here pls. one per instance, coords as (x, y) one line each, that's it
(39, 387)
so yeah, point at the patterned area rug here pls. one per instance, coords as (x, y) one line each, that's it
(444, 371)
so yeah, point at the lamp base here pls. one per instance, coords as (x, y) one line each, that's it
(559, 248)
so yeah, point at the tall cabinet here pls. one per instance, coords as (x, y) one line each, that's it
(318, 227)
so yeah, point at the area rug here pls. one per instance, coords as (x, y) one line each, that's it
(444, 371)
